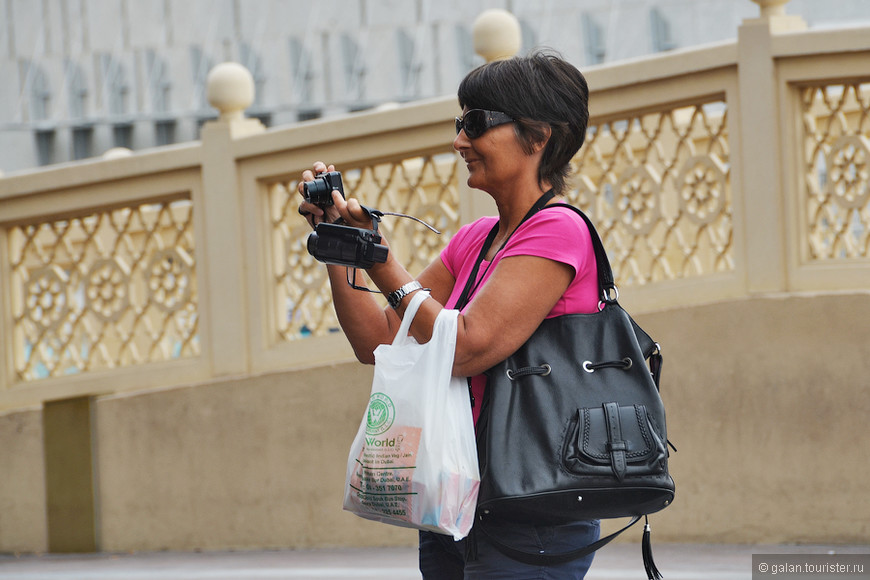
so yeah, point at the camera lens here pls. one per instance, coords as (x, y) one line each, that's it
(312, 243)
(318, 192)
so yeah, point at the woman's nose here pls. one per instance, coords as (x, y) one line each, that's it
(461, 141)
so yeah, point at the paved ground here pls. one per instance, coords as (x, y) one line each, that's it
(614, 562)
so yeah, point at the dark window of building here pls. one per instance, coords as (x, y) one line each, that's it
(83, 142)
(45, 146)
(309, 114)
(122, 135)
(164, 132)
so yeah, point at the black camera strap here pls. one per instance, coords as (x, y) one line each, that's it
(376, 215)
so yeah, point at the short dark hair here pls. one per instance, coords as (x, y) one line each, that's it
(539, 91)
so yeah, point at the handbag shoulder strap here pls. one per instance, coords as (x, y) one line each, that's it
(539, 559)
(606, 283)
(605, 273)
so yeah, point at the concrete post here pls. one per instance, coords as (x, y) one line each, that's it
(762, 180)
(71, 501)
(230, 89)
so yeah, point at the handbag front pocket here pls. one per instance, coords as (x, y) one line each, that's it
(613, 440)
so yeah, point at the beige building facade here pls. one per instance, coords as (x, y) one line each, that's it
(82, 77)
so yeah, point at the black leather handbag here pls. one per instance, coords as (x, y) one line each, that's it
(572, 425)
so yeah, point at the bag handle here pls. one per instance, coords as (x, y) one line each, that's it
(605, 273)
(417, 299)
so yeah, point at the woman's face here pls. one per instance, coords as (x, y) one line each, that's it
(494, 159)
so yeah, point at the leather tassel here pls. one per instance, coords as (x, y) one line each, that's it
(652, 573)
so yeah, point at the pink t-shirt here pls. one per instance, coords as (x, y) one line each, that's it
(555, 233)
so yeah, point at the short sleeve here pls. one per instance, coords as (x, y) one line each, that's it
(561, 235)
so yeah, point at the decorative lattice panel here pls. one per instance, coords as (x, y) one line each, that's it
(424, 187)
(109, 289)
(836, 172)
(657, 187)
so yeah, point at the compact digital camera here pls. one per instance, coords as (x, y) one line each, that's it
(319, 191)
(340, 244)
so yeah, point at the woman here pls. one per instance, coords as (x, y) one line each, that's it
(523, 119)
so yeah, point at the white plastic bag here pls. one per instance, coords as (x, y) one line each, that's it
(413, 462)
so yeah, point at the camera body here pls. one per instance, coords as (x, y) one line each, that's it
(319, 191)
(346, 246)
(333, 243)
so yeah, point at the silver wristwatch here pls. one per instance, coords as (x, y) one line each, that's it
(395, 297)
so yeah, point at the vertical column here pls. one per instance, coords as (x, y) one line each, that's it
(762, 181)
(7, 357)
(69, 478)
(230, 89)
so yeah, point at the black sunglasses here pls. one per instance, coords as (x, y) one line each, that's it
(476, 122)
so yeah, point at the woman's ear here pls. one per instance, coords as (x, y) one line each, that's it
(539, 145)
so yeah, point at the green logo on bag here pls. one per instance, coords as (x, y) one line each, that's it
(380, 414)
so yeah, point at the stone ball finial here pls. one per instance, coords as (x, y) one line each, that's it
(496, 34)
(117, 153)
(771, 7)
(230, 90)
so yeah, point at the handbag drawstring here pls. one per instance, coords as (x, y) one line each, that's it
(589, 366)
(542, 370)
(623, 364)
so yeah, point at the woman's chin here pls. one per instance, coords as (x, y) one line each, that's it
(475, 180)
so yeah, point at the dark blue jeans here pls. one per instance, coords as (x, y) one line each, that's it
(441, 558)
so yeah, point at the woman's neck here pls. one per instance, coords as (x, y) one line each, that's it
(511, 211)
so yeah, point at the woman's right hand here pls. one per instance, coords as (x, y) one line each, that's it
(348, 210)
